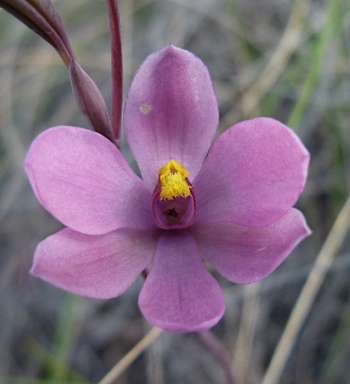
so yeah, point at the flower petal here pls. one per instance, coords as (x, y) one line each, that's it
(82, 179)
(179, 294)
(244, 254)
(101, 266)
(171, 113)
(253, 174)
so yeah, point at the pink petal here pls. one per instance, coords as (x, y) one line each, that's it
(253, 175)
(179, 294)
(101, 266)
(244, 254)
(82, 179)
(170, 113)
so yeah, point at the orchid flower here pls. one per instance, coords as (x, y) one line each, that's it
(228, 202)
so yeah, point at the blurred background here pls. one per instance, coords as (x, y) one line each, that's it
(289, 60)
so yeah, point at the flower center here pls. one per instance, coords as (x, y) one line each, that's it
(173, 181)
(173, 199)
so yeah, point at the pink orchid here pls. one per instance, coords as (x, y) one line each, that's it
(228, 203)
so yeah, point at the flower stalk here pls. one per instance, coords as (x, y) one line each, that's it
(117, 67)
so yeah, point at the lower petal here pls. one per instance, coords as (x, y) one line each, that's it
(179, 294)
(243, 254)
(101, 266)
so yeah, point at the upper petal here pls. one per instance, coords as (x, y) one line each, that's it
(101, 266)
(245, 254)
(171, 112)
(179, 294)
(254, 173)
(82, 179)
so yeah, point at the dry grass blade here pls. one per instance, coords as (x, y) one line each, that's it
(130, 357)
(247, 332)
(308, 294)
(278, 62)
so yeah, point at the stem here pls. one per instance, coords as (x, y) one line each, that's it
(219, 352)
(117, 67)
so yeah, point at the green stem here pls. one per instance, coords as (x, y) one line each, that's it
(64, 337)
(48, 359)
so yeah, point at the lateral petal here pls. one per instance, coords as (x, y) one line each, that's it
(244, 254)
(102, 266)
(83, 180)
(254, 173)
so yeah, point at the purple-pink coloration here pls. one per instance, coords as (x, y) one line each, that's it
(229, 203)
